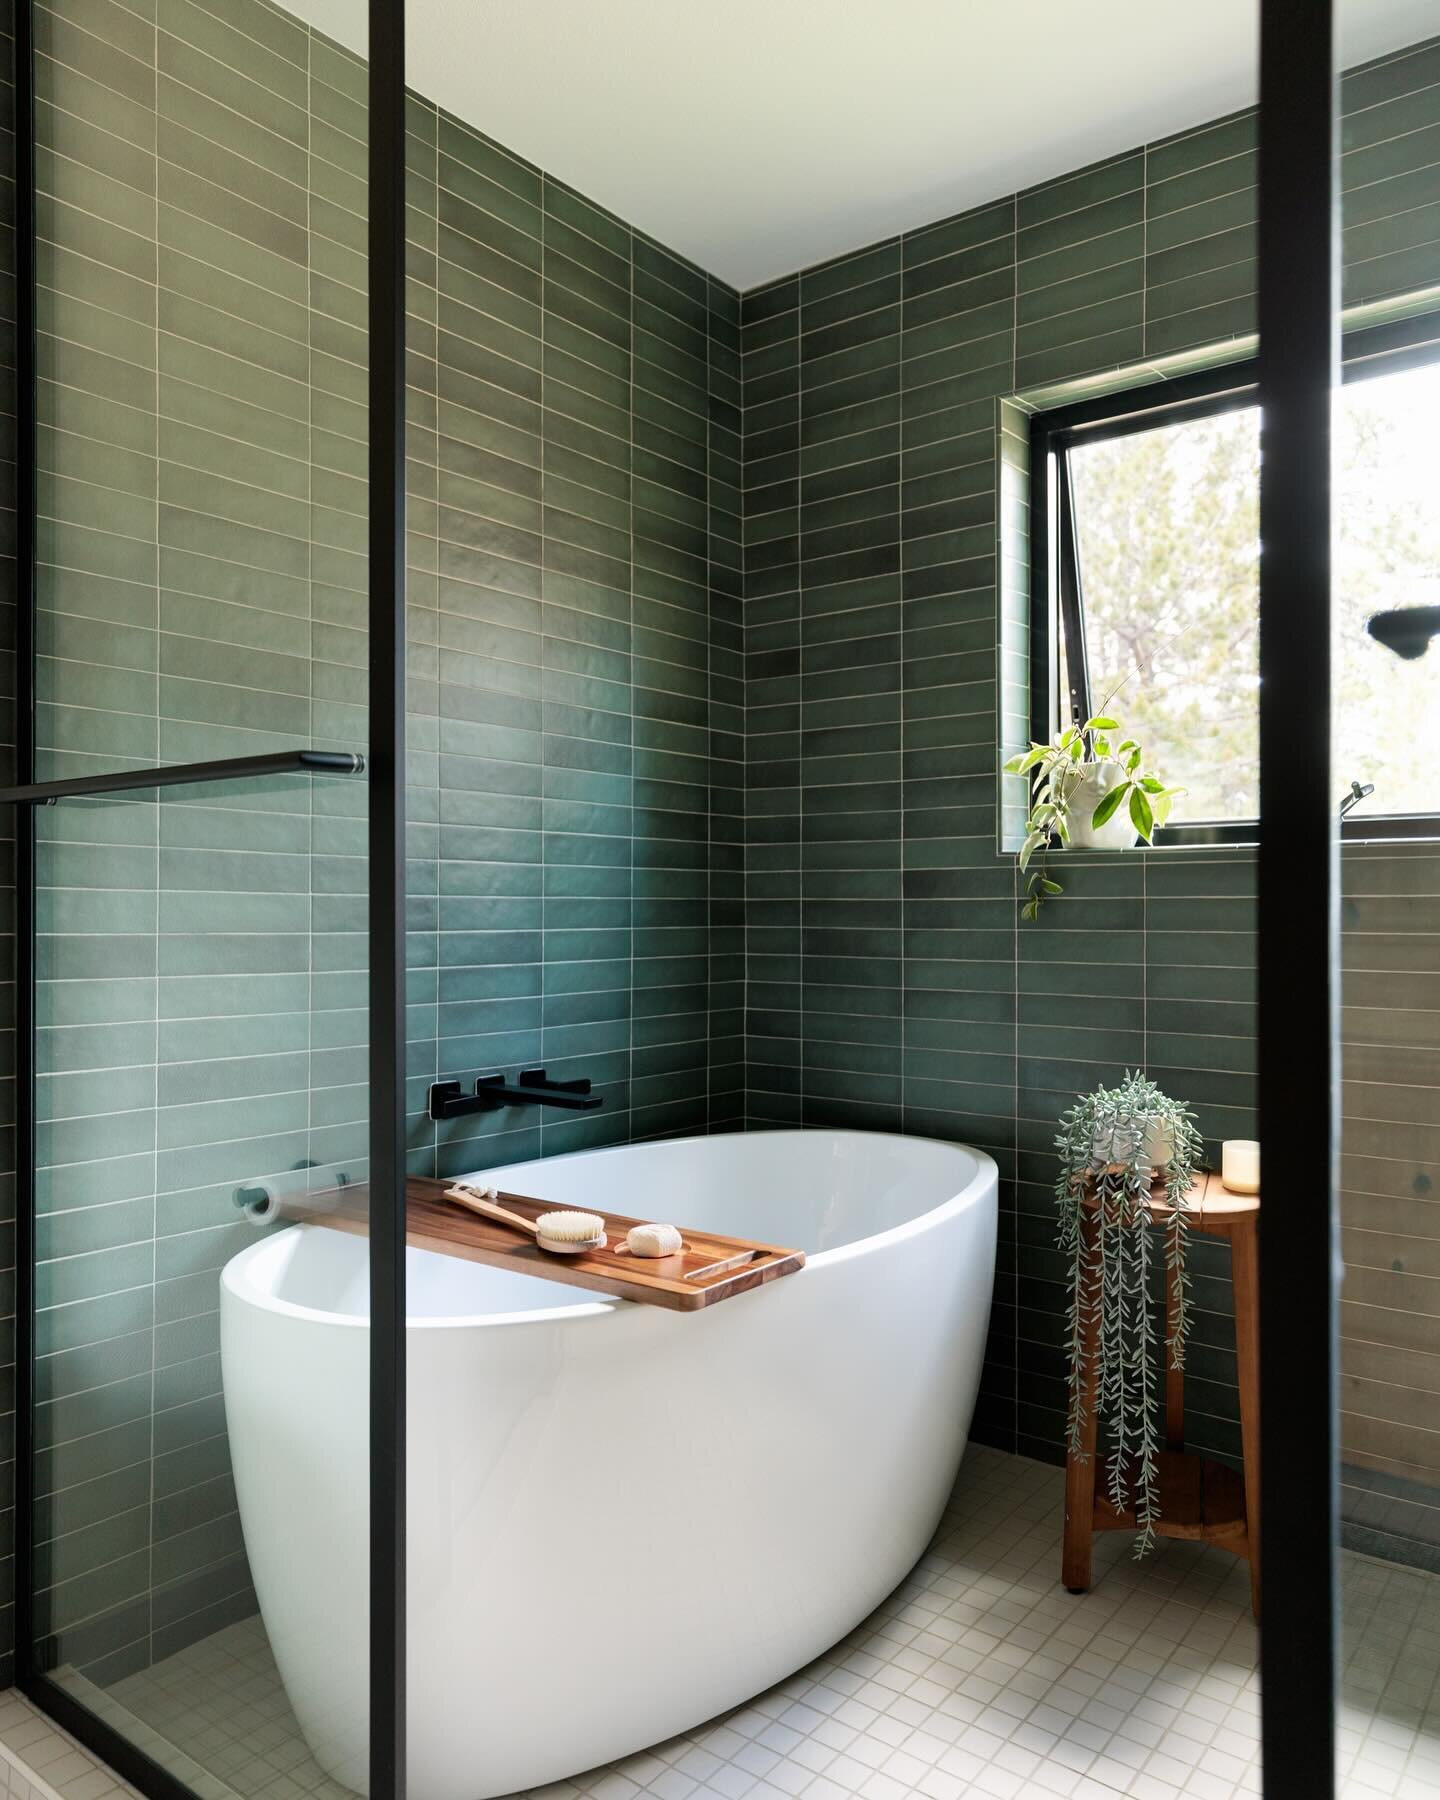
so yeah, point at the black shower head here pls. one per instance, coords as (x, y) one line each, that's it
(1407, 630)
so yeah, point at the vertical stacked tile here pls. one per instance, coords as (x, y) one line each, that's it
(97, 703)
(672, 704)
(422, 630)
(726, 924)
(850, 683)
(1200, 237)
(1390, 205)
(96, 900)
(1390, 1202)
(1080, 249)
(770, 342)
(339, 586)
(959, 915)
(236, 338)
(593, 861)
(486, 807)
(1200, 1045)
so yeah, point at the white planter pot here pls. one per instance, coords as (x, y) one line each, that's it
(1118, 1146)
(1093, 783)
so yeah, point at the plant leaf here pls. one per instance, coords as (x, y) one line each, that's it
(1110, 805)
(1134, 763)
(1051, 887)
(1141, 816)
(1102, 724)
(1030, 910)
(1151, 785)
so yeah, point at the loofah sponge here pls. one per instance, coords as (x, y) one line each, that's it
(653, 1240)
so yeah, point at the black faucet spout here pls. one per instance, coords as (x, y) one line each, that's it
(448, 1100)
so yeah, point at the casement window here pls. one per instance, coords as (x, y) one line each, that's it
(1145, 584)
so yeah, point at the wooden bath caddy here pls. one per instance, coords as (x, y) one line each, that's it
(679, 1282)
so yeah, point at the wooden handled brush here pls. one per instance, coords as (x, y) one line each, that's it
(561, 1233)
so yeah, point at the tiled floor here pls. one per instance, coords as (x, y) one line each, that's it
(980, 1676)
(38, 1761)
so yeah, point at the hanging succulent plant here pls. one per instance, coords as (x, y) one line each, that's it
(1113, 1145)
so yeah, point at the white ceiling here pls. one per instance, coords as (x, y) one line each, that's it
(759, 136)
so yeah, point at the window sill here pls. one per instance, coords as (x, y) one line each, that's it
(1244, 834)
(1379, 828)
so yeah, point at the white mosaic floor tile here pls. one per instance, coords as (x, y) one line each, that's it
(978, 1677)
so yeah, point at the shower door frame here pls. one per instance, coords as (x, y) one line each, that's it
(1298, 882)
(384, 767)
(1296, 916)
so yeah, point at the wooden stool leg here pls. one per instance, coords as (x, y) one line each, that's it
(1245, 1278)
(1080, 1475)
(1174, 1378)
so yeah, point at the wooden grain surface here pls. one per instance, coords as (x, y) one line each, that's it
(677, 1282)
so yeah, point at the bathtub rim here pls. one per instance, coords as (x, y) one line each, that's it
(236, 1281)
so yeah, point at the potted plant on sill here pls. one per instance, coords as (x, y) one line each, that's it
(1114, 1145)
(1090, 789)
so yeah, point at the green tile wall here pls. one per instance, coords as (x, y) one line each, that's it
(201, 592)
(577, 726)
(576, 715)
(714, 826)
(888, 984)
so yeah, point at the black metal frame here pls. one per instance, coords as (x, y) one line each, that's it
(1056, 587)
(1297, 909)
(1298, 900)
(386, 769)
(387, 898)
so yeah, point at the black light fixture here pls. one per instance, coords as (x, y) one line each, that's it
(1407, 630)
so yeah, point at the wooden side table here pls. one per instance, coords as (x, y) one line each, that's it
(1197, 1498)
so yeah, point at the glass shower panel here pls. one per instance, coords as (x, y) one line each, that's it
(200, 256)
(200, 1506)
(1388, 556)
(200, 1489)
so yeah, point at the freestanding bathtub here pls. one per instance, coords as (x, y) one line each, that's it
(622, 1521)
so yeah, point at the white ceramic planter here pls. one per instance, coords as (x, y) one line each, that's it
(1117, 1147)
(1094, 782)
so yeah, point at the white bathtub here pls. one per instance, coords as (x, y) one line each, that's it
(622, 1520)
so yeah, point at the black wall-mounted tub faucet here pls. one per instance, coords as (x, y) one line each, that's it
(448, 1100)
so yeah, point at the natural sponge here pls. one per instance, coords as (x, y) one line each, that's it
(653, 1240)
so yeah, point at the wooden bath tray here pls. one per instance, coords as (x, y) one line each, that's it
(434, 1223)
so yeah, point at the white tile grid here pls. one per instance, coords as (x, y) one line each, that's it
(978, 1677)
(38, 1761)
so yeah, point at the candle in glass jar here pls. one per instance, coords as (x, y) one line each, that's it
(1240, 1165)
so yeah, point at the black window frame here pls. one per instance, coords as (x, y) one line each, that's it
(1056, 596)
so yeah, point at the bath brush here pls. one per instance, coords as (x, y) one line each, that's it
(562, 1233)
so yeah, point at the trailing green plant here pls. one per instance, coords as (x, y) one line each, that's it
(1056, 771)
(1113, 1145)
